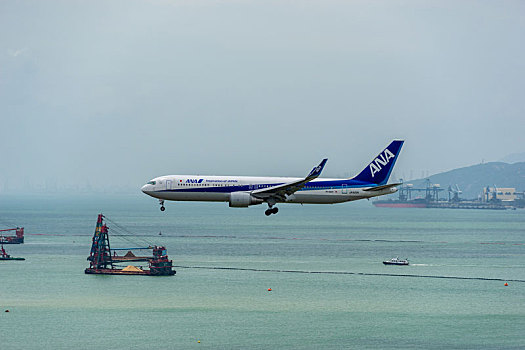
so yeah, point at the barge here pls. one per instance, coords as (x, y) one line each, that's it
(18, 238)
(103, 259)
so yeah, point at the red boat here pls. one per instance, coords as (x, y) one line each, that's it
(399, 204)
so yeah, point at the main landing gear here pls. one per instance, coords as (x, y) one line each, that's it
(271, 211)
(161, 202)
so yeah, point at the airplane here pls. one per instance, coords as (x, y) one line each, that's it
(244, 191)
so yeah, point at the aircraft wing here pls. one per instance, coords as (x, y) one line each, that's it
(379, 188)
(280, 192)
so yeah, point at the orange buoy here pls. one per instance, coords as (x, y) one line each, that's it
(269, 289)
(506, 284)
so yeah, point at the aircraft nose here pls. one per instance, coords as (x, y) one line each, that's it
(146, 188)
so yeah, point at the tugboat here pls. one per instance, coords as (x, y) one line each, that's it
(5, 256)
(395, 261)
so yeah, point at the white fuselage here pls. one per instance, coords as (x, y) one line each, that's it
(220, 188)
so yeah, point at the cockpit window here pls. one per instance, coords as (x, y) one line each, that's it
(152, 183)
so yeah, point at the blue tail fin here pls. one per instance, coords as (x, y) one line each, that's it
(378, 171)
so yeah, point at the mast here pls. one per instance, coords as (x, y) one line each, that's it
(100, 255)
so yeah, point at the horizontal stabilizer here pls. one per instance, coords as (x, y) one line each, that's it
(379, 188)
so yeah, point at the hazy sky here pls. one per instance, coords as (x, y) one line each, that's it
(113, 93)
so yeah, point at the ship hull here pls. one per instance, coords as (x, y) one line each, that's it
(11, 240)
(442, 205)
(382, 204)
(395, 263)
(90, 271)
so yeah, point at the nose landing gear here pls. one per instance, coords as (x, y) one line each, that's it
(161, 202)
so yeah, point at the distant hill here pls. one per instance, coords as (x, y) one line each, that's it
(471, 180)
(514, 158)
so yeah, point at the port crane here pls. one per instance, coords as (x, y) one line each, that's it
(455, 192)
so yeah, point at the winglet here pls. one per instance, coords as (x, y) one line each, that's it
(317, 170)
(280, 192)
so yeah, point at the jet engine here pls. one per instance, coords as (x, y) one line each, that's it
(243, 200)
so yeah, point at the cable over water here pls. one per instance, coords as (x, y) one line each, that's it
(345, 273)
(123, 233)
(7, 223)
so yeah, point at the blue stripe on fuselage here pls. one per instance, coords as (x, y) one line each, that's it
(310, 186)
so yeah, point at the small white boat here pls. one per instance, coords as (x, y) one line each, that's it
(395, 261)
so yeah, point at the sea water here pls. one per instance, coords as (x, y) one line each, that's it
(329, 288)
